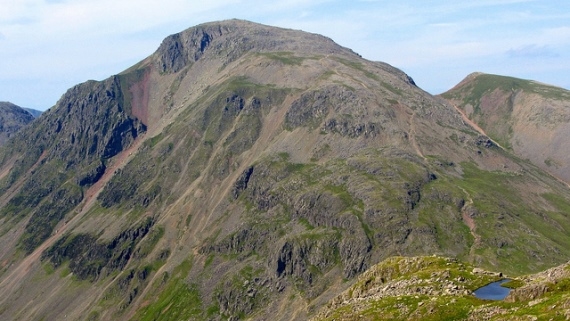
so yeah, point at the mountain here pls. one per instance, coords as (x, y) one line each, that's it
(438, 288)
(531, 119)
(247, 171)
(34, 112)
(12, 119)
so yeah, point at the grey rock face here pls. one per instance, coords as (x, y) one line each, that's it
(12, 118)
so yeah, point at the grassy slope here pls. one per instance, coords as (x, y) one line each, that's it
(436, 288)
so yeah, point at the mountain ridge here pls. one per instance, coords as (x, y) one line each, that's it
(227, 179)
(12, 119)
(528, 117)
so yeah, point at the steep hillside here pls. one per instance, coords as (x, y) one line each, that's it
(530, 118)
(12, 118)
(436, 288)
(245, 171)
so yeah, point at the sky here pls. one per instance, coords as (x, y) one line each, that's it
(48, 46)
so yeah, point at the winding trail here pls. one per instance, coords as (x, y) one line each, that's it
(474, 125)
(470, 222)
(482, 132)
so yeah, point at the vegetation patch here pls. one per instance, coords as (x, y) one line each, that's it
(358, 66)
(486, 83)
(178, 300)
(284, 57)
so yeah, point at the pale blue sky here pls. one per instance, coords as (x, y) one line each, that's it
(47, 46)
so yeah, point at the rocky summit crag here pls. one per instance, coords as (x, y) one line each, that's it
(249, 172)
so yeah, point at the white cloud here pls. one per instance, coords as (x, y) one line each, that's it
(80, 39)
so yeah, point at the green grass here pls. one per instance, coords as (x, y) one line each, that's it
(505, 217)
(65, 271)
(48, 268)
(562, 204)
(392, 89)
(358, 66)
(424, 271)
(184, 268)
(284, 57)
(513, 284)
(550, 305)
(177, 301)
(486, 83)
(341, 192)
(154, 140)
(490, 187)
(306, 223)
(209, 260)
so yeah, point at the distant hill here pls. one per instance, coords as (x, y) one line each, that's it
(12, 119)
(530, 118)
(244, 171)
(34, 112)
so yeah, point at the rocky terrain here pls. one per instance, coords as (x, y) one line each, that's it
(12, 119)
(531, 119)
(437, 288)
(249, 172)
(34, 112)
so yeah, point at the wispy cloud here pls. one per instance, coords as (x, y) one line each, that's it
(68, 41)
(532, 51)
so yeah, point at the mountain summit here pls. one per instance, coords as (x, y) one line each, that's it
(530, 118)
(246, 171)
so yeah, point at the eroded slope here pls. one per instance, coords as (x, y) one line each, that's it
(245, 171)
(530, 118)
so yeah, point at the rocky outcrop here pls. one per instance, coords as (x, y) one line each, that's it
(178, 50)
(484, 141)
(312, 108)
(90, 258)
(73, 140)
(540, 284)
(416, 288)
(347, 127)
(241, 183)
(226, 41)
(110, 130)
(12, 119)
(91, 174)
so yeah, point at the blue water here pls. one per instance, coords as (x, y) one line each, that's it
(493, 291)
